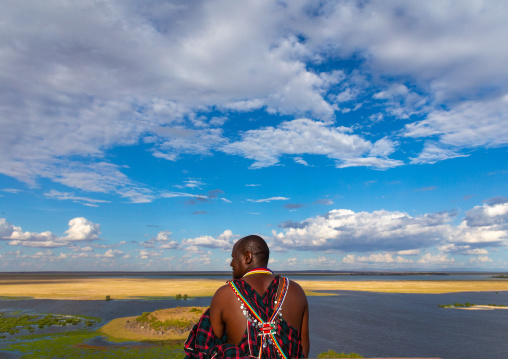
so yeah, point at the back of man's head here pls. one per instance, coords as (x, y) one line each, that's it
(257, 247)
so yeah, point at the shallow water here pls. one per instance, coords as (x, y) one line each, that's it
(371, 324)
(106, 310)
(103, 342)
(409, 325)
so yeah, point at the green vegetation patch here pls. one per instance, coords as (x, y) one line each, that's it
(311, 293)
(14, 322)
(153, 297)
(74, 345)
(333, 354)
(148, 319)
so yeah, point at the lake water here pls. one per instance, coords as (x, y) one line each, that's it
(371, 324)
(410, 325)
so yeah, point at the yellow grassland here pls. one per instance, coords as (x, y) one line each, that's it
(123, 288)
(410, 286)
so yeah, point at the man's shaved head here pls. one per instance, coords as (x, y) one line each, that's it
(256, 246)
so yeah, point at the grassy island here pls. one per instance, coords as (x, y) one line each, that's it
(474, 306)
(172, 324)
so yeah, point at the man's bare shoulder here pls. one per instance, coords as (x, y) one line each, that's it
(297, 294)
(222, 297)
(222, 292)
(296, 289)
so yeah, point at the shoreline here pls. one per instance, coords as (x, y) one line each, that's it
(228, 273)
(72, 288)
(480, 307)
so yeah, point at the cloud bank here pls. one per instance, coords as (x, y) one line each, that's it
(80, 230)
(119, 73)
(392, 231)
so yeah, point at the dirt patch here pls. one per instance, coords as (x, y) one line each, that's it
(163, 324)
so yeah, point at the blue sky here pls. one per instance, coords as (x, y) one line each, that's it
(351, 135)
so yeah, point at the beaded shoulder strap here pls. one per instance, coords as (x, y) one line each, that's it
(268, 329)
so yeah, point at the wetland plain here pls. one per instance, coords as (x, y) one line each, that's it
(132, 295)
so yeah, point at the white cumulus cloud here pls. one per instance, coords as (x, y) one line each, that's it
(375, 258)
(429, 258)
(344, 229)
(80, 229)
(304, 136)
(6, 229)
(224, 240)
(111, 253)
(365, 231)
(488, 215)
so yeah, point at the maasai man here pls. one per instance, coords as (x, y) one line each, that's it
(256, 315)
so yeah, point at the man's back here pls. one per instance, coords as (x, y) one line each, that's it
(226, 313)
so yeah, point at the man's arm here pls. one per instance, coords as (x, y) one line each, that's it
(295, 311)
(216, 310)
(305, 330)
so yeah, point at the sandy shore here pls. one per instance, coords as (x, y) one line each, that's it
(123, 288)
(481, 307)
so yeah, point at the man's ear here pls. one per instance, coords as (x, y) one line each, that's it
(248, 257)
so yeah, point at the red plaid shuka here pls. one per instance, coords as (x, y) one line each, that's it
(204, 344)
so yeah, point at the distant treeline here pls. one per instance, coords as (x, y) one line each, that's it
(326, 273)
(48, 274)
(56, 274)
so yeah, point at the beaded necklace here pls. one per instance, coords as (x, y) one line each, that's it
(259, 270)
